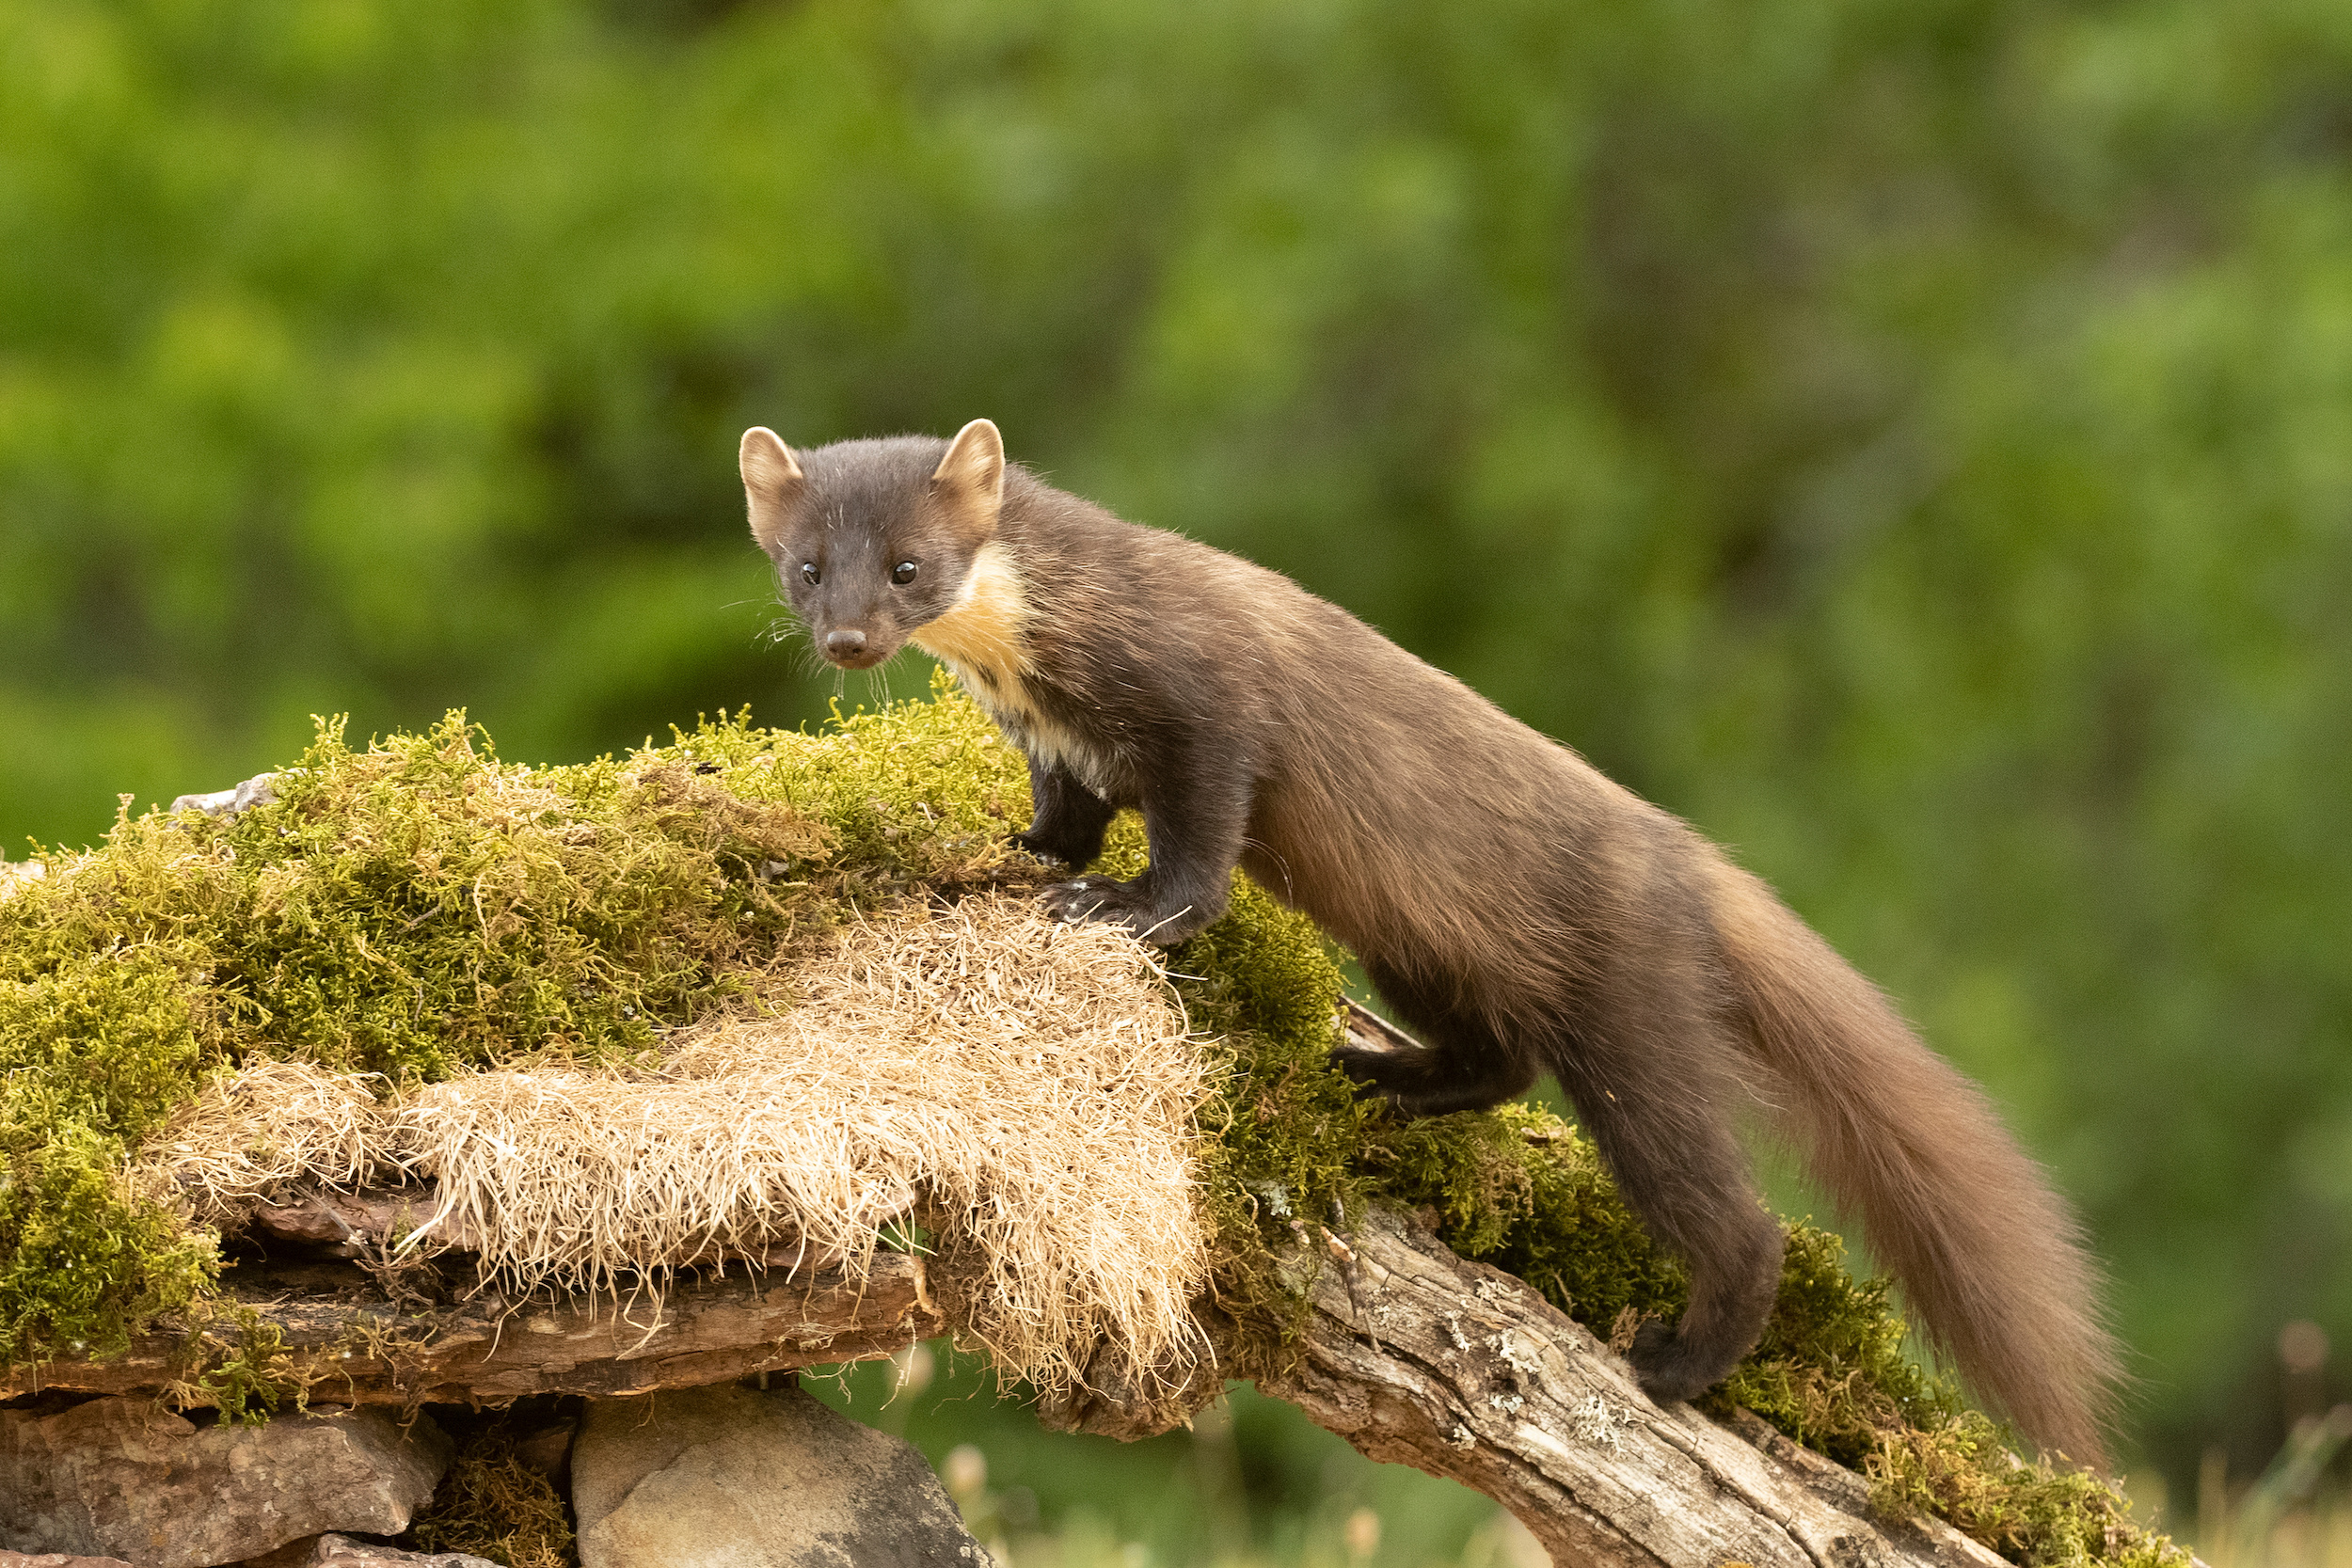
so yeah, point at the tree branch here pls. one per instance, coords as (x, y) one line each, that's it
(1420, 1358)
(350, 1345)
(1414, 1355)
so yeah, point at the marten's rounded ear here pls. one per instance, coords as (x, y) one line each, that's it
(771, 474)
(971, 479)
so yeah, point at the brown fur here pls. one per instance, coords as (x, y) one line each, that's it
(1522, 911)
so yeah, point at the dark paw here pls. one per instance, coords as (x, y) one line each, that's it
(1038, 847)
(1057, 849)
(1373, 1070)
(1112, 902)
(1099, 898)
(1662, 1364)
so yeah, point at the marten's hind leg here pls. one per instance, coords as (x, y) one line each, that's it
(1642, 1060)
(1646, 1076)
(1463, 1065)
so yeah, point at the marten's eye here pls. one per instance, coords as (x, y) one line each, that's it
(809, 573)
(904, 574)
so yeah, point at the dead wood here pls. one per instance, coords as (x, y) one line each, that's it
(1414, 1355)
(348, 1341)
(1420, 1358)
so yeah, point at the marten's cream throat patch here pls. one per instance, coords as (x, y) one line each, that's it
(983, 641)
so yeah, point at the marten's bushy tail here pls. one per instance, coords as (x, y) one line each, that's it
(1989, 1256)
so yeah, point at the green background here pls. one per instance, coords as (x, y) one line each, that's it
(1912, 439)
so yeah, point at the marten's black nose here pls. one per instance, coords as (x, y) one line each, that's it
(845, 646)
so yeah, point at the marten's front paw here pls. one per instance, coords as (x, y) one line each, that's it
(1104, 899)
(1115, 903)
(1028, 846)
(1055, 848)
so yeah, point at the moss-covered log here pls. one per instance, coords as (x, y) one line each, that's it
(420, 910)
(326, 1335)
(1413, 1354)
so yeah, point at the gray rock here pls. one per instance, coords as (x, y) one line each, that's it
(731, 1478)
(120, 1478)
(548, 1452)
(341, 1551)
(57, 1559)
(259, 790)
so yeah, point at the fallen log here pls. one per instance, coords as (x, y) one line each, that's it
(328, 1332)
(1414, 1355)
(1417, 1356)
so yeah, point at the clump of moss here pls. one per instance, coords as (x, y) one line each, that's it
(1522, 1190)
(238, 1364)
(418, 907)
(494, 1506)
(1962, 1472)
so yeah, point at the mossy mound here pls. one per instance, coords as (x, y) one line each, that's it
(419, 909)
(415, 910)
(492, 1505)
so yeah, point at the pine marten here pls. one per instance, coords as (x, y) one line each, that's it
(1520, 911)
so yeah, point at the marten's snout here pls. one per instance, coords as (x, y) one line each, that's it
(848, 647)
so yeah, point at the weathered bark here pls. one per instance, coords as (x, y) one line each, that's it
(356, 1346)
(1414, 1355)
(1420, 1358)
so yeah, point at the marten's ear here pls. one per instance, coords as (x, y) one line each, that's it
(970, 481)
(770, 476)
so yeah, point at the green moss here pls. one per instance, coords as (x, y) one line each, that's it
(84, 1262)
(418, 907)
(239, 1365)
(494, 1506)
(1961, 1470)
(1520, 1189)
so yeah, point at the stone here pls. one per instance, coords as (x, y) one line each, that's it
(548, 1453)
(730, 1476)
(259, 790)
(57, 1559)
(120, 1478)
(343, 1551)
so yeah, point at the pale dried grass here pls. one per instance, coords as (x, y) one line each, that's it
(258, 1134)
(1030, 1083)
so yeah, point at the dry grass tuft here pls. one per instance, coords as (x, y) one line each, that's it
(1028, 1088)
(254, 1135)
(1031, 1082)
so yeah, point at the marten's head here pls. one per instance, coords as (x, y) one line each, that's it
(874, 539)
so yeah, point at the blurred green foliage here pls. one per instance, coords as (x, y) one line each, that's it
(1911, 439)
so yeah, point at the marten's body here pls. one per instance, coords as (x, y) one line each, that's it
(1521, 911)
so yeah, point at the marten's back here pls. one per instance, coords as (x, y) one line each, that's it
(1407, 813)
